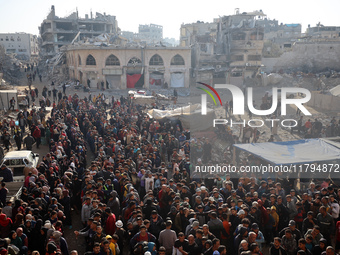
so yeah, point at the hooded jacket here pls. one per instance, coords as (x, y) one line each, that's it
(150, 248)
(5, 225)
(240, 237)
(114, 203)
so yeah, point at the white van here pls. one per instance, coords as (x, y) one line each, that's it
(18, 160)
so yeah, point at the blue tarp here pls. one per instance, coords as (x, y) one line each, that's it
(292, 25)
(293, 152)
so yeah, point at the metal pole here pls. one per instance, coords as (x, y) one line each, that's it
(234, 156)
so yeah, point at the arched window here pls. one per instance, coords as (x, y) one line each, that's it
(79, 60)
(177, 60)
(156, 60)
(90, 61)
(134, 62)
(112, 60)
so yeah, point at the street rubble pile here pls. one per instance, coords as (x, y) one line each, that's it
(9, 68)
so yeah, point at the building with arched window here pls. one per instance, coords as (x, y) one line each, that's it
(130, 67)
(90, 61)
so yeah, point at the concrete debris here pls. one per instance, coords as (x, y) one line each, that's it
(10, 67)
(107, 39)
(322, 82)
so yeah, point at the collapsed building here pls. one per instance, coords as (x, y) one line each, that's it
(152, 32)
(279, 38)
(235, 49)
(227, 50)
(149, 34)
(56, 32)
(315, 51)
(238, 48)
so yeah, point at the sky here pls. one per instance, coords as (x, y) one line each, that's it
(27, 16)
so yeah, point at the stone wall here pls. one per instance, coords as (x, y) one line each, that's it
(324, 102)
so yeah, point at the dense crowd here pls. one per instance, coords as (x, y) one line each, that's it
(137, 196)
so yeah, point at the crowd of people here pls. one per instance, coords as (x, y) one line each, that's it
(137, 196)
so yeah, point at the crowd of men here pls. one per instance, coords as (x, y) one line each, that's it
(137, 197)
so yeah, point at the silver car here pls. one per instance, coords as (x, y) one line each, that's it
(18, 160)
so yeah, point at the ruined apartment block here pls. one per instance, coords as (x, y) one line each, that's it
(24, 46)
(227, 50)
(241, 38)
(201, 37)
(150, 33)
(57, 32)
(323, 32)
(279, 38)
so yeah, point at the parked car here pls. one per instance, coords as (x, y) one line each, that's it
(18, 160)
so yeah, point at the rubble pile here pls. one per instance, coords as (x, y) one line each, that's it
(321, 81)
(10, 67)
(55, 68)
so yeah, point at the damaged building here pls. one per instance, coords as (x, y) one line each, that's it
(279, 38)
(22, 45)
(56, 32)
(320, 31)
(130, 66)
(240, 37)
(317, 50)
(201, 37)
(227, 50)
(149, 34)
(307, 55)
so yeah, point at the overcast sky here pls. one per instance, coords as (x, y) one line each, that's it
(26, 16)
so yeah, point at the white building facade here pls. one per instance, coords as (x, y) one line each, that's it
(23, 45)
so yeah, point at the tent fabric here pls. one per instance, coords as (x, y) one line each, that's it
(131, 80)
(140, 82)
(156, 79)
(335, 141)
(335, 91)
(177, 80)
(190, 117)
(114, 81)
(160, 114)
(293, 152)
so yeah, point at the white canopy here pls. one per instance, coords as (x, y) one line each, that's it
(293, 152)
(335, 91)
(190, 116)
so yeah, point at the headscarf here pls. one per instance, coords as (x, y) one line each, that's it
(150, 248)
(44, 236)
(49, 233)
(19, 219)
(4, 221)
(38, 224)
